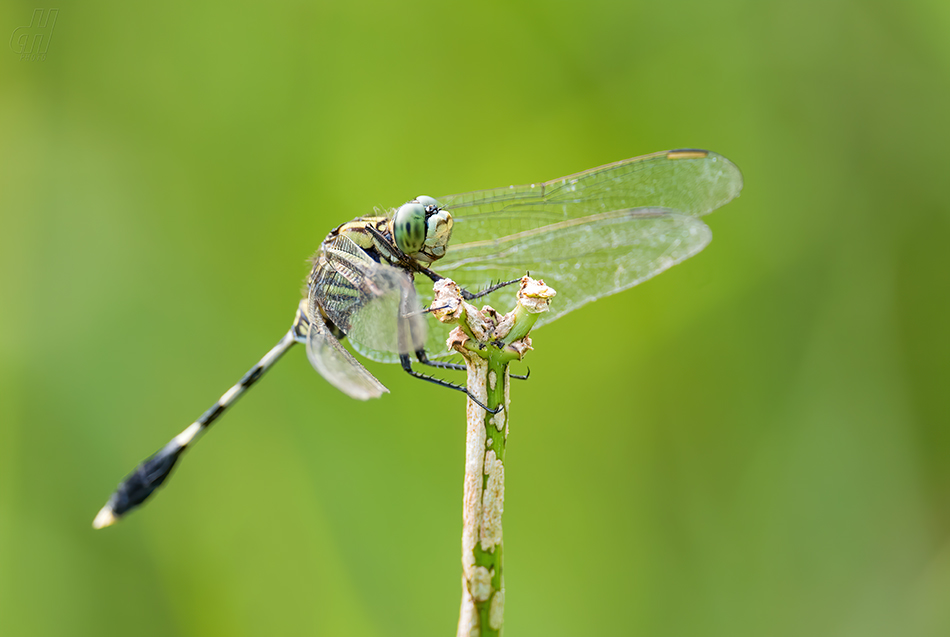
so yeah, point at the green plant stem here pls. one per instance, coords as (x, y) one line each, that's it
(504, 339)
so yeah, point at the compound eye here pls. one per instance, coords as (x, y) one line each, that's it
(409, 227)
(429, 202)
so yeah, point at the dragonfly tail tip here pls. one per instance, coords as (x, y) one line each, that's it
(104, 518)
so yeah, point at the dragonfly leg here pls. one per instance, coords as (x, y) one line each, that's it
(521, 377)
(421, 355)
(468, 296)
(407, 365)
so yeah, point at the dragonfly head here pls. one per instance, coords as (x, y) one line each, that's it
(422, 229)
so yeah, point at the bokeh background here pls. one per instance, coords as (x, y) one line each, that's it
(756, 442)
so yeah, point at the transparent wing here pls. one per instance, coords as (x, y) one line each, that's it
(588, 235)
(374, 303)
(330, 358)
(583, 259)
(392, 323)
(693, 182)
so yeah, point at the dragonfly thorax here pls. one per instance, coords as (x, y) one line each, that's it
(422, 229)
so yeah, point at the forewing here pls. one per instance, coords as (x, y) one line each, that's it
(693, 182)
(583, 259)
(338, 366)
(391, 323)
(345, 283)
(374, 303)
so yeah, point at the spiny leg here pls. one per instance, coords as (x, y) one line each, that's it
(470, 296)
(421, 355)
(407, 365)
(405, 336)
(411, 265)
(152, 472)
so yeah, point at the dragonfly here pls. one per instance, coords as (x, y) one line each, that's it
(589, 235)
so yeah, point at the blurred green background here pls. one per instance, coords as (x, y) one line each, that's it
(763, 449)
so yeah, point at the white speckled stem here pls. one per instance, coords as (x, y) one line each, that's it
(488, 342)
(483, 593)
